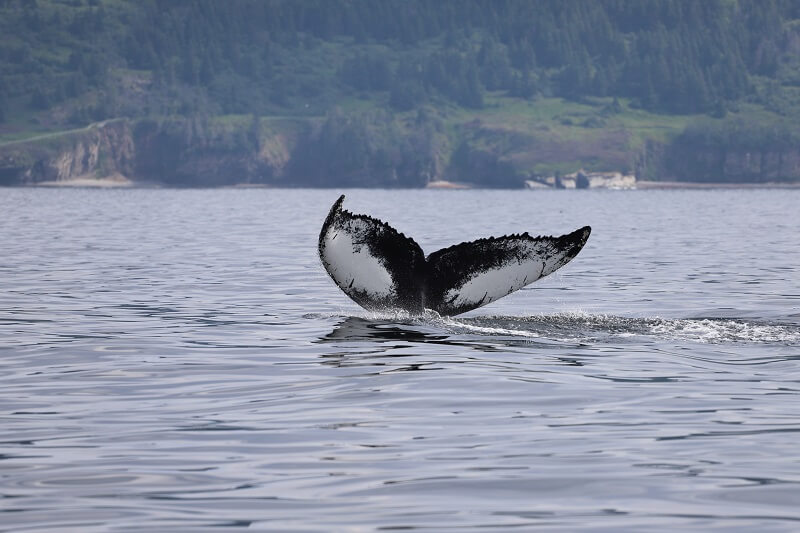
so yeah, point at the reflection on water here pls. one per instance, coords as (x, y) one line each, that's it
(356, 328)
(179, 361)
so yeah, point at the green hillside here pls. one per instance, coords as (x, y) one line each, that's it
(427, 88)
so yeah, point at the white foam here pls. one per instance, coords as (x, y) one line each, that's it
(715, 331)
(583, 326)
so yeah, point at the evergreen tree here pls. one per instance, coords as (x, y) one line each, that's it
(274, 56)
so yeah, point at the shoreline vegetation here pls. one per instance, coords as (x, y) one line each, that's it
(416, 94)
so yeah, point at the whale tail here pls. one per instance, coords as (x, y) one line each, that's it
(380, 268)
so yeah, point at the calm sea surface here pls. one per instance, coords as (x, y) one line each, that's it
(178, 360)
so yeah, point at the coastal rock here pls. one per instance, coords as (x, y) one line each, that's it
(585, 180)
(101, 151)
(610, 180)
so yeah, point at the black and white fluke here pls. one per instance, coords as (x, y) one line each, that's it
(380, 268)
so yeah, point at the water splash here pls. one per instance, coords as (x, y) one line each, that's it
(584, 326)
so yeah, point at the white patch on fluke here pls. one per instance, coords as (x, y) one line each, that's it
(491, 285)
(353, 267)
(536, 260)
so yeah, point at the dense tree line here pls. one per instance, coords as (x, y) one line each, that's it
(303, 56)
(367, 149)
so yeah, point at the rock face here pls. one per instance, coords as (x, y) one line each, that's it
(716, 165)
(172, 153)
(106, 150)
(191, 153)
(101, 151)
(734, 151)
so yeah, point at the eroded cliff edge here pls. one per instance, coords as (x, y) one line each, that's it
(105, 150)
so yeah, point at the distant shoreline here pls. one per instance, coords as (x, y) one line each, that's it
(122, 182)
(122, 153)
(650, 185)
(89, 182)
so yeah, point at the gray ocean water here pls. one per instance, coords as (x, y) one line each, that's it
(178, 360)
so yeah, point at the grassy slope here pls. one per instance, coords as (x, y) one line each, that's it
(552, 134)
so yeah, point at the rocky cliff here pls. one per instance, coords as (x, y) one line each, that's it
(725, 165)
(102, 151)
(735, 151)
(171, 152)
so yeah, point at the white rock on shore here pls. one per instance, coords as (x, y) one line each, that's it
(586, 180)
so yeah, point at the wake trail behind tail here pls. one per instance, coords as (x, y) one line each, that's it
(587, 327)
(597, 327)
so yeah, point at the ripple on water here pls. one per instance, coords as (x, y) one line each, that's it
(178, 360)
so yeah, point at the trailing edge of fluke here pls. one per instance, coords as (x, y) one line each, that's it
(382, 269)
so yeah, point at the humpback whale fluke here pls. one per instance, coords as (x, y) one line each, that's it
(380, 268)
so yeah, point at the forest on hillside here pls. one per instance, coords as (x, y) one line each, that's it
(279, 56)
(68, 63)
